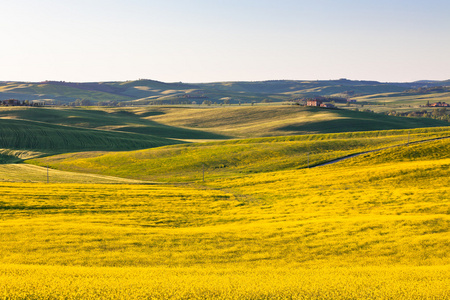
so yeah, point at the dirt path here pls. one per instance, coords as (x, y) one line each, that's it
(376, 150)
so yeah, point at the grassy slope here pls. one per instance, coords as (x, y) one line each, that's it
(246, 122)
(433, 150)
(151, 89)
(131, 120)
(346, 231)
(154, 90)
(218, 122)
(29, 173)
(48, 138)
(50, 91)
(233, 158)
(402, 99)
(388, 198)
(293, 87)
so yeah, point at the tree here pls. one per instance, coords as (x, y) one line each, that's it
(226, 100)
(86, 102)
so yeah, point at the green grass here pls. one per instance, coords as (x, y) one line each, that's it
(186, 162)
(293, 87)
(362, 121)
(48, 138)
(126, 120)
(433, 150)
(34, 174)
(188, 123)
(60, 92)
(143, 91)
(258, 121)
(405, 101)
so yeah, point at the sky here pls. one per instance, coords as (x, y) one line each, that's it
(224, 40)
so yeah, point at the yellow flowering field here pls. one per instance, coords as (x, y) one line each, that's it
(373, 227)
(216, 282)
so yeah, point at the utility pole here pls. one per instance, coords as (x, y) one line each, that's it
(308, 160)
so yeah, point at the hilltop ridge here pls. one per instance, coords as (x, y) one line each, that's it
(146, 91)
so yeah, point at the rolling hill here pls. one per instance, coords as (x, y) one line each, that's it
(181, 163)
(212, 123)
(120, 119)
(372, 227)
(31, 131)
(150, 91)
(406, 99)
(21, 138)
(263, 224)
(247, 122)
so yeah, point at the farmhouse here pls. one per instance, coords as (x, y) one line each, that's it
(314, 102)
(327, 105)
(11, 102)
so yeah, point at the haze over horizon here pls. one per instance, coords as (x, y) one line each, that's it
(207, 82)
(205, 41)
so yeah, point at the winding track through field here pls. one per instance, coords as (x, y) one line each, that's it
(376, 150)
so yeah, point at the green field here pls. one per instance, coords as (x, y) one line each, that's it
(393, 100)
(181, 163)
(20, 139)
(126, 120)
(36, 174)
(405, 103)
(268, 222)
(27, 132)
(217, 122)
(247, 122)
(31, 91)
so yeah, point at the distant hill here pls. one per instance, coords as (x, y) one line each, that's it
(155, 92)
(212, 123)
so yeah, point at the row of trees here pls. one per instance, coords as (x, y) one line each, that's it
(86, 102)
(439, 114)
(15, 102)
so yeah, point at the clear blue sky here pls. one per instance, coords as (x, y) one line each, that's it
(214, 40)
